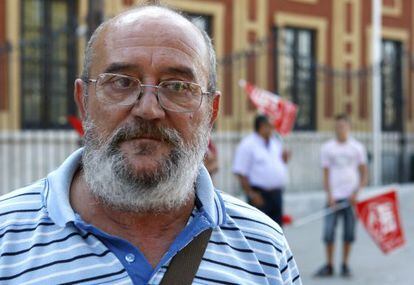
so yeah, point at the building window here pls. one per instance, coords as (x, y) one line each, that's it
(95, 15)
(391, 75)
(48, 62)
(296, 73)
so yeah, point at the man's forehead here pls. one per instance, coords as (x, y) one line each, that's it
(148, 13)
(155, 26)
(159, 24)
(342, 121)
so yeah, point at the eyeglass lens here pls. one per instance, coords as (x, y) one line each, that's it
(124, 90)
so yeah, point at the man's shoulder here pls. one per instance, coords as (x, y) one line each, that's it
(328, 144)
(22, 206)
(30, 193)
(356, 143)
(247, 144)
(253, 224)
(249, 140)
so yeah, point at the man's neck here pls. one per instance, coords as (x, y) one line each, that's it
(151, 232)
(342, 139)
(264, 137)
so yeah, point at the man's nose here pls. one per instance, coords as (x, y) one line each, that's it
(147, 106)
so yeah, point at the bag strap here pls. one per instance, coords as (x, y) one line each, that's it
(185, 263)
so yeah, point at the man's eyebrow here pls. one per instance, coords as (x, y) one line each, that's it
(120, 66)
(184, 71)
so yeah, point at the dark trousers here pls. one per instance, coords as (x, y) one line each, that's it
(349, 223)
(273, 203)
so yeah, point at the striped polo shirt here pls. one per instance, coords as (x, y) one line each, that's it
(43, 241)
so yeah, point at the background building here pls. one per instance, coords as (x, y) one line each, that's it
(313, 52)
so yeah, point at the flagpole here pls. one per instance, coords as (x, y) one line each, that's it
(376, 92)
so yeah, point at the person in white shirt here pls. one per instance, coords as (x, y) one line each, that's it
(344, 163)
(260, 164)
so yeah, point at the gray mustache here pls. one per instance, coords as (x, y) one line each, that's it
(147, 130)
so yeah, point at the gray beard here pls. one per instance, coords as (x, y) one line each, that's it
(112, 180)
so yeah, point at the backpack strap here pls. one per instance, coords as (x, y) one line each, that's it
(185, 263)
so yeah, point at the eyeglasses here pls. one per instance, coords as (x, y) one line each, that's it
(123, 90)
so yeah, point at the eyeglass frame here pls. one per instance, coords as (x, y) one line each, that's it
(157, 87)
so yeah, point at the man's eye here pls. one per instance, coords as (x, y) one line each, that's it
(177, 86)
(122, 83)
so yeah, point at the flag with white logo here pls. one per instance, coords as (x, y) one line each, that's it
(381, 218)
(281, 112)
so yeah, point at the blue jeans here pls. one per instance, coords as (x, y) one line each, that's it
(273, 203)
(349, 221)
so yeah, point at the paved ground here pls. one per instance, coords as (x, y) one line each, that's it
(369, 265)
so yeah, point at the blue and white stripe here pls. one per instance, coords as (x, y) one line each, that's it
(40, 243)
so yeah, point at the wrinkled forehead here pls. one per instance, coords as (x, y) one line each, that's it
(152, 15)
(157, 27)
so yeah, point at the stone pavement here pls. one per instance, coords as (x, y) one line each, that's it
(369, 265)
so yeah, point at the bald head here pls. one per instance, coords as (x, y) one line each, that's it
(147, 18)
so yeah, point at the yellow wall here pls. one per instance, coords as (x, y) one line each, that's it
(341, 57)
(10, 119)
(242, 26)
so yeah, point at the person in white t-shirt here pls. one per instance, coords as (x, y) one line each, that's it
(344, 163)
(260, 164)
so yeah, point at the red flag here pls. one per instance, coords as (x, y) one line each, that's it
(76, 124)
(281, 112)
(380, 217)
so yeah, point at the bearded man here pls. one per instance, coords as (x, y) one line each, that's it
(122, 209)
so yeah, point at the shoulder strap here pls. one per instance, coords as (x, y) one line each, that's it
(185, 263)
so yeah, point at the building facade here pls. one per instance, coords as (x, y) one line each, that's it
(316, 53)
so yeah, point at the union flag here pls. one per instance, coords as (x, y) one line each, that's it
(281, 112)
(381, 218)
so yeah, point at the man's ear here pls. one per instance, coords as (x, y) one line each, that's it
(216, 107)
(79, 98)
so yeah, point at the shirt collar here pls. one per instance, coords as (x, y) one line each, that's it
(210, 198)
(57, 191)
(260, 139)
(56, 196)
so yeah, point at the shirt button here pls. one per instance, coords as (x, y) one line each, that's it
(130, 258)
